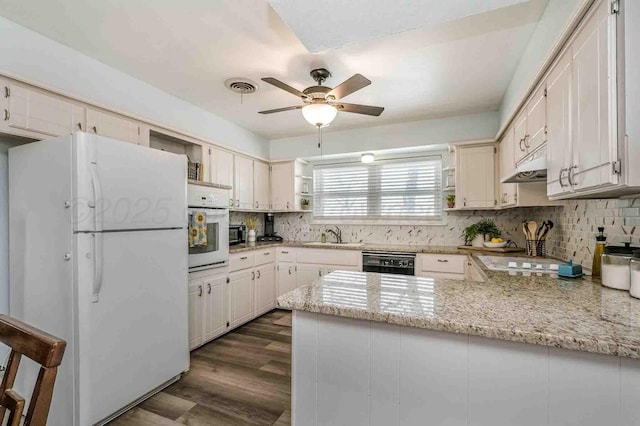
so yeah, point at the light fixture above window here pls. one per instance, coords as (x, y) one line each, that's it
(320, 115)
(367, 157)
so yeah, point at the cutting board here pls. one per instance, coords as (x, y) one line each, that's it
(494, 250)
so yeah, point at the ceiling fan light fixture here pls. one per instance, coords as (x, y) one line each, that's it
(367, 157)
(319, 115)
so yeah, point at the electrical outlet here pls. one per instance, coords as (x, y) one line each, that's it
(281, 228)
(306, 228)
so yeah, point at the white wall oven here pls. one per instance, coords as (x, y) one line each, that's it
(208, 238)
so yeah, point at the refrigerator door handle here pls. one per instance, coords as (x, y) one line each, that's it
(97, 267)
(97, 198)
(97, 236)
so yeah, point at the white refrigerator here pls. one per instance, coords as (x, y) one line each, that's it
(98, 256)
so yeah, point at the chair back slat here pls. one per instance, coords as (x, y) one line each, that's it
(41, 347)
(15, 404)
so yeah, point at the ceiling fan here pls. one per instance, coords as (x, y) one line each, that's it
(322, 103)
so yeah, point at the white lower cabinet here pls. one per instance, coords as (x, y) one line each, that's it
(241, 295)
(215, 307)
(265, 288)
(196, 314)
(451, 266)
(286, 277)
(307, 274)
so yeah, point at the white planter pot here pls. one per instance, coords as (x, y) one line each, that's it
(252, 236)
(478, 241)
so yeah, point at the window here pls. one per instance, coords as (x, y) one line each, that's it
(387, 189)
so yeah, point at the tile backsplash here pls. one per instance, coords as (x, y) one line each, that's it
(573, 237)
(579, 224)
(300, 226)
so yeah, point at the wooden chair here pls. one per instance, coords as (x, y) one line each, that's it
(42, 348)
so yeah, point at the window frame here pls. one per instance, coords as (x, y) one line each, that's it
(374, 198)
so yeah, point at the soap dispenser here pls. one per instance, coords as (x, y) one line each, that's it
(601, 242)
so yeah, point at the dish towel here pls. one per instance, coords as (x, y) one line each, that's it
(198, 229)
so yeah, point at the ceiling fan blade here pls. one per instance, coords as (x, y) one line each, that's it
(271, 111)
(360, 109)
(284, 87)
(347, 87)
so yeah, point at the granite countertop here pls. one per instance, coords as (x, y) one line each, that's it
(545, 310)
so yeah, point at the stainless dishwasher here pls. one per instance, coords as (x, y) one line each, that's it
(389, 262)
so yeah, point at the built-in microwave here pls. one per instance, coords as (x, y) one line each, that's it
(214, 203)
(237, 234)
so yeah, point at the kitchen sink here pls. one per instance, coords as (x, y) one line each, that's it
(329, 244)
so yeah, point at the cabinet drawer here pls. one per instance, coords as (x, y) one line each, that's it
(265, 256)
(329, 257)
(239, 261)
(286, 254)
(449, 263)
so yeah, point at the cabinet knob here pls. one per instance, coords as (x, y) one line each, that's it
(95, 130)
(289, 270)
(522, 148)
(79, 126)
(570, 175)
(257, 205)
(209, 288)
(6, 115)
(253, 276)
(288, 205)
(237, 203)
(199, 291)
(526, 141)
(258, 274)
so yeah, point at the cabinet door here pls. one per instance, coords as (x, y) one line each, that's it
(519, 135)
(559, 126)
(196, 314)
(477, 176)
(241, 294)
(112, 126)
(594, 100)
(220, 166)
(216, 307)
(536, 120)
(508, 191)
(283, 186)
(307, 274)
(286, 278)
(265, 288)
(40, 113)
(332, 268)
(261, 198)
(243, 182)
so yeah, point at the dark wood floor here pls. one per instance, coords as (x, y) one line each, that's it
(242, 378)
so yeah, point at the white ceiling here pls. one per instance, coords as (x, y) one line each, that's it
(188, 48)
(360, 20)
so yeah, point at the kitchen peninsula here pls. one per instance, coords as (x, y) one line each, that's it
(375, 349)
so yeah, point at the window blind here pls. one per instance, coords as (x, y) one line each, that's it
(401, 189)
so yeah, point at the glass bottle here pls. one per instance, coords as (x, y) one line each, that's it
(601, 242)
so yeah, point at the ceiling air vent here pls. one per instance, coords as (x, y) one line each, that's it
(240, 85)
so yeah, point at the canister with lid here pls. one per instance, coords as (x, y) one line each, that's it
(634, 269)
(615, 266)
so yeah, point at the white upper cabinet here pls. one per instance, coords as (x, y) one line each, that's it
(112, 126)
(261, 198)
(476, 176)
(531, 125)
(593, 112)
(283, 186)
(220, 166)
(582, 154)
(508, 191)
(32, 113)
(243, 182)
(559, 126)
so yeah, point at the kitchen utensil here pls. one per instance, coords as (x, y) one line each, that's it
(525, 229)
(547, 227)
(532, 226)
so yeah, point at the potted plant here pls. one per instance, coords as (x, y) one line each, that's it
(451, 200)
(478, 233)
(304, 204)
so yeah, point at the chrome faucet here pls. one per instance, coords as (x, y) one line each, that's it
(337, 233)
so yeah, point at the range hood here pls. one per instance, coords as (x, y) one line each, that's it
(531, 169)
